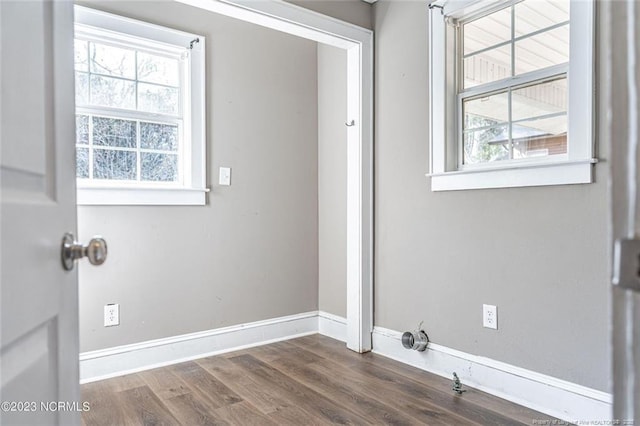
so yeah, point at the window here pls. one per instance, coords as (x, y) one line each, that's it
(140, 132)
(511, 93)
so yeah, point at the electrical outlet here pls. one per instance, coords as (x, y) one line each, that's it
(111, 315)
(490, 316)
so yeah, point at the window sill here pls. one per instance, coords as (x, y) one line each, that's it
(101, 196)
(565, 173)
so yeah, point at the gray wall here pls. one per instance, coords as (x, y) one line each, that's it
(356, 12)
(332, 180)
(252, 252)
(539, 254)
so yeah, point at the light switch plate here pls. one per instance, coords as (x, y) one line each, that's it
(225, 176)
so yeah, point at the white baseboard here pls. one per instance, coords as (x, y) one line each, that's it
(332, 326)
(559, 398)
(549, 395)
(112, 362)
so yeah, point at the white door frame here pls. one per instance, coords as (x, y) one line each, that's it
(358, 42)
(623, 130)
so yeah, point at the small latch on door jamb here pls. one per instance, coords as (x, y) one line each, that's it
(626, 264)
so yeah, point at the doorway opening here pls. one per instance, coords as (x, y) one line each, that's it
(356, 43)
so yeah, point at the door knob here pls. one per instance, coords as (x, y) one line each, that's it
(95, 251)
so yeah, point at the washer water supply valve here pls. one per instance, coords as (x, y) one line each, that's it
(416, 340)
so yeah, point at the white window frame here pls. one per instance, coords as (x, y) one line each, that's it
(192, 188)
(576, 167)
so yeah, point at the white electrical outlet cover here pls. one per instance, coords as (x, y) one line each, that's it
(490, 316)
(111, 315)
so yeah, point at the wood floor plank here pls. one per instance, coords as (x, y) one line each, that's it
(143, 407)
(189, 409)
(417, 408)
(216, 393)
(302, 354)
(243, 413)
(365, 404)
(327, 347)
(164, 383)
(312, 380)
(105, 407)
(450, 402)
(517, 412)
(268, 351)
(242, 384)
(308, 400)
(336, 352)
(294, 416)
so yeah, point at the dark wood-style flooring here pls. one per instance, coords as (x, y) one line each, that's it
(312, 380)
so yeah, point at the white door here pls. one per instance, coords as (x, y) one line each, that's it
(623, 102)
(39, 303)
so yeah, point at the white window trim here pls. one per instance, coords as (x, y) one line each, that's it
(574, 168)
(193, 190)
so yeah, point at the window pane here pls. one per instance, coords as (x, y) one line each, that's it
(487, 31)
(158, 136)
(542, 50)
(540, 137)
(539, 124)
(159, 167)
(110, 60)
(82, 88)
(487, 111)
(113, 92)
(539, 100)
(114, 132)
(157, 69)
(485, 67)
(160, 99)
(81, 55)
(544, 129)
(482, 146)
(82, 163)
(82, 129)
(112, 164)
(537, 15)
(556, 125)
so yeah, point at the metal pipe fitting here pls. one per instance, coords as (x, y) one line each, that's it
(416, 340)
